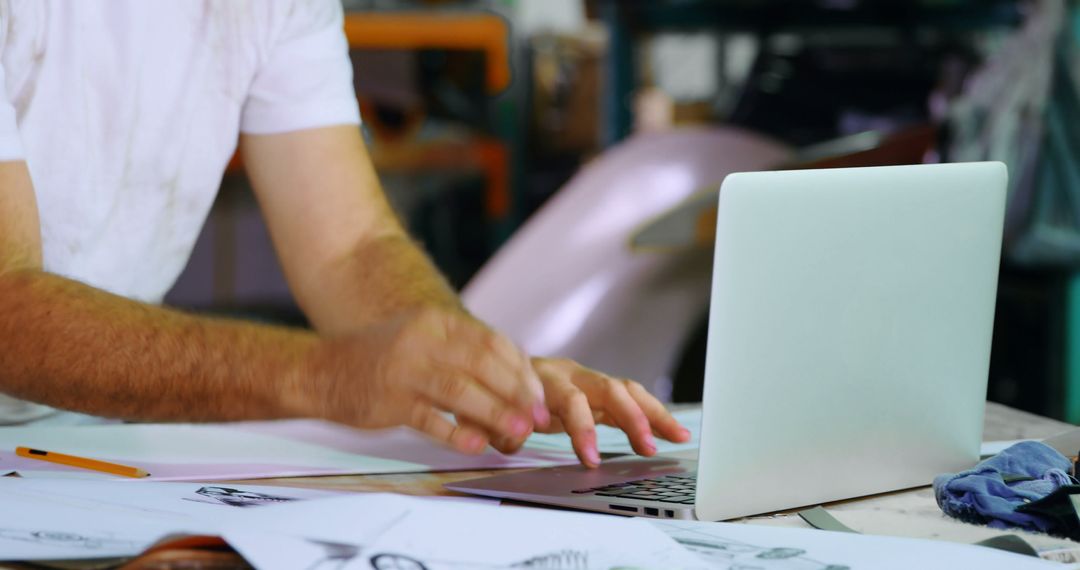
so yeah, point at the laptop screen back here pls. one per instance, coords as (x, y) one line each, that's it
(849, 334)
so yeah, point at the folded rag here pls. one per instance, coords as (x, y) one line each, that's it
(991, 492)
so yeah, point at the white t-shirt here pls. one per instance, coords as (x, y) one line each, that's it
(127, 112)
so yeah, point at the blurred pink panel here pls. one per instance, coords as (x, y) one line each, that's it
(567, 284)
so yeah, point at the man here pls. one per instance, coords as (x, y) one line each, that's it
(116, 124)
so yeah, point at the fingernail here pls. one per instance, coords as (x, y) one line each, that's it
(541, 415)
(686, 434)
(518, 426)
(475, 443)
(592, 455)
(650, 443)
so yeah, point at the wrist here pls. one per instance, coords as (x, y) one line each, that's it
(293, 395)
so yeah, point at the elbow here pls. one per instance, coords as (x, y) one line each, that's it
(17, 284)
(20, 262)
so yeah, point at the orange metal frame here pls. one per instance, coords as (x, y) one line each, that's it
(432, 30)
(422, 30)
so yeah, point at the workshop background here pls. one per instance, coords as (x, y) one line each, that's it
(559, 159)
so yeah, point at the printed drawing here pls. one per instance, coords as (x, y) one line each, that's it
(68, 539)
(238, 497)
(561, 560)
(726, 554)
(396, 562)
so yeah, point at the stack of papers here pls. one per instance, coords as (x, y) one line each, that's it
(250, 450)
(253, 450)
(292, 528)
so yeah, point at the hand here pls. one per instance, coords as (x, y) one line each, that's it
(409, 370)
(580, 398)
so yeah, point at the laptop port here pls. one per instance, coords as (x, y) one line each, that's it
(652, 512)
(623, 508)
(669, 513)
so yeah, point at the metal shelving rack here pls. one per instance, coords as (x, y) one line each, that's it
(629, 20)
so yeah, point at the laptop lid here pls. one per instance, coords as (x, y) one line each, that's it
(849, 334)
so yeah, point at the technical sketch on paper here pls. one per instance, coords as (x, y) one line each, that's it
(237, 497)
(64, 539)
(562, 560)
(727, 554)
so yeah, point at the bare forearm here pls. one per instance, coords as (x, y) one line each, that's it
(71, 346)
(347, 259)
(386, 277)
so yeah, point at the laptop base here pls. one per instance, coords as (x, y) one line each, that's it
(577, 487)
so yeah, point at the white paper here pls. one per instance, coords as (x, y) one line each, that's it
(248, 450)
(444, 537)
(730, 546)
(36, 528)
(281, 527)
(62, 534)
(352, 519)
(269, 551)
(393, 531)
(165, 501)
(614, 440)
(56, 519)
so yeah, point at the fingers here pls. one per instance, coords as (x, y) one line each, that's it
(509, 445)
(496, 363)
(502, 380)
(615, 400)
(462, 396)
(506, 445)
(611, 400)
(621, 403)
(464, 438)
(554, 426)
(663, 423)
(572, 407)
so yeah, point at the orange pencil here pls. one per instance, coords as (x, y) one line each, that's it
(81, 462)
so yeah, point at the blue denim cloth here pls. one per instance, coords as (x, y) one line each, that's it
(980, 495)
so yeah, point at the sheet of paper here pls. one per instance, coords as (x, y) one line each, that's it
(440, 537)
(270, 552)
(54, 519)
(72, 535)
(355, 520)
(394, 531)
(173, 502)
(613, 440)
(36, 528)
(729, 546)
(250, 450)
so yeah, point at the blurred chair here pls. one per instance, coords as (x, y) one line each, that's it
(568, 284)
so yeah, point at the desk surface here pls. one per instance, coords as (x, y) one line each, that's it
(910, 513)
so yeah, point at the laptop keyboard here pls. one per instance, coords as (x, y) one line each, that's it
(676, 489)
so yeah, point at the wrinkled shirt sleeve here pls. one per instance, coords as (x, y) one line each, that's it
(306, 77)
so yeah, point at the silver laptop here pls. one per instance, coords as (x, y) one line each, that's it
(849, 341)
